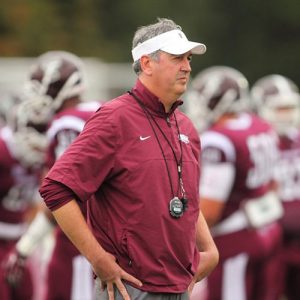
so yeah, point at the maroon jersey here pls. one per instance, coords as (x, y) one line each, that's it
(248, 255)
(18, 186)
(287, 174)
(251, 145)
(65, 127)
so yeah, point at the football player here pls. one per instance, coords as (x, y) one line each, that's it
(238, 200)
(22, 150)
(55, 90)
(278, 101)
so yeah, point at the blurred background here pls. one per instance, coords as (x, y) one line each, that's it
(256, 37)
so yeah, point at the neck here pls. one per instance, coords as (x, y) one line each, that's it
(165, 98)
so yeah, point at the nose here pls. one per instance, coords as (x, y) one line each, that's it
(186, 66)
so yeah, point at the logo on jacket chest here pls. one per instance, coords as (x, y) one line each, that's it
(144, 138)
(184, 138)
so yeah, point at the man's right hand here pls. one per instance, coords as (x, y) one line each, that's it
(110, 274)
(14, 266)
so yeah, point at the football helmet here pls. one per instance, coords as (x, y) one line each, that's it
(55, 77)
(277, 100)
(215, 91)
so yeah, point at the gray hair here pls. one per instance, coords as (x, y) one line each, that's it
(147, 32)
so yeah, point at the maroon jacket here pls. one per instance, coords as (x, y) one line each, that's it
(117, 165)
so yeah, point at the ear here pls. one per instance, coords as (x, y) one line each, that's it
(146, 64)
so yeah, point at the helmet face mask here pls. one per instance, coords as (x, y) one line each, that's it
(36, 109)
(216, 91)
(277, 100)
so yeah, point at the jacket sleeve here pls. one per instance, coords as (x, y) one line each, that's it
(55, 194)
(89, 160)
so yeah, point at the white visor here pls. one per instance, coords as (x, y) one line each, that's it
(174, 42)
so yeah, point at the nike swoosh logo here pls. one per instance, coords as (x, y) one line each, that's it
(143, 138)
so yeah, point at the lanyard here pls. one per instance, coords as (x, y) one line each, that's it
(178, 161)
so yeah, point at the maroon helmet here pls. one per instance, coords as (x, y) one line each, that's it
(215, 91)
(55, 77)
(277, 100)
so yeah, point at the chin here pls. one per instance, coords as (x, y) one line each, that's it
(181, 90)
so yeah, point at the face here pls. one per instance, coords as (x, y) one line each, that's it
(170, 75)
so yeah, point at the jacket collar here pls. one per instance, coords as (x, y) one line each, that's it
(151, 101)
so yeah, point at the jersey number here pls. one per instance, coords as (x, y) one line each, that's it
(263, 154)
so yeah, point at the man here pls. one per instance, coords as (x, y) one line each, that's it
(136, 165)
(239, 151)
(55, 87)
(277, 100)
